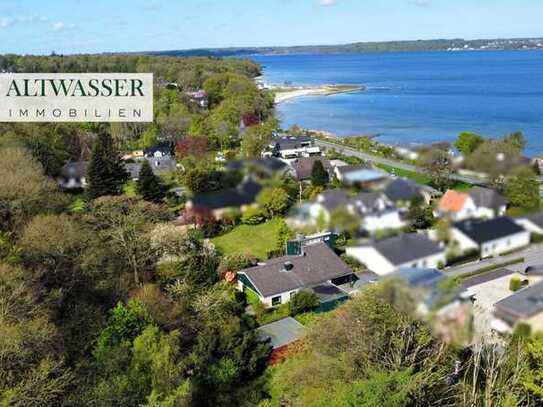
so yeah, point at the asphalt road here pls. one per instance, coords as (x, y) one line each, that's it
(393, 163)
(532, 255)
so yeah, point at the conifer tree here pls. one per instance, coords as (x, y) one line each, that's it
(149, 185)
(319, 176)
(106, 173)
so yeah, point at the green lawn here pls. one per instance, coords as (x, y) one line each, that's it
(415, 176)
(252, 240)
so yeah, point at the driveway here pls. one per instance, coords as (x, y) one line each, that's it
(533, 255)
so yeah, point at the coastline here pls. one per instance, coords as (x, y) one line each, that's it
(289, 93)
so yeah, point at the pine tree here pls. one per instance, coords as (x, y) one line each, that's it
(319, 176)
(106, 173)
(149, 185)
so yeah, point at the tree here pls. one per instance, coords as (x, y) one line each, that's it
(522, 189)
(516, 139)
(273, 200)
(195, 146)
(343, 221)
(420, 214)
(149, 185)
(319, 176)
(468, 142)
(438, 165)
(303, 301)
(106, 173)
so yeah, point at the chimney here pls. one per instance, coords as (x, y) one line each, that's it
(287, 267)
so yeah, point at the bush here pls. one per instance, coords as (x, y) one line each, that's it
(253, 216)
(303, 301)
(515, 284)
(235, 262)
(536, 238)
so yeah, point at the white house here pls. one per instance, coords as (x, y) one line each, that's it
(290, 147)
(409, 250)
(480, 203)
(491, 237)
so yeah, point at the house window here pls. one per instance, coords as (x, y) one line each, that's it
(276, 301)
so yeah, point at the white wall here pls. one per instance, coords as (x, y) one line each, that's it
(372, 259)
(529, 225)
(505, 244)
(431, 262)
(285, 297)
(464, 242)
(386, 220)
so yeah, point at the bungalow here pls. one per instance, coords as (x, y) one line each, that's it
(290, 147)
(278, 280)
(491, 237)
(261, 167)
(410, 250)
(532, 223)
(402, 191)
(218, 202)
(524, 307)
(302, 167)
(477, 203)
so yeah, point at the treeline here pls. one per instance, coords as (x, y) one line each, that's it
(234, 102)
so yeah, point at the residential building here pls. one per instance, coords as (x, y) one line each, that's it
(303, 166)
(523, 307)
(218, 202)
(402, 191)
(409, 250)
(477, 203)
(198, 97)
(278, 280)
(533, 223)
(159, 151)
(261, 167)
(291, 147)
(73, 175)
(376, 212)
(362, 177)
(491, 237)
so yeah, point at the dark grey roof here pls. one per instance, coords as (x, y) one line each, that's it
(328, 292)
(164, 148)
(291, 142)
(487, 198)
(318, 265)
(523, 304)
(403, 190)
(370, 201)
(486, 277)
(481, 231)
(406, 247)
(333, 198)
(243, 194)
(75, 169)
(269, 164)
(536, 218)
(282, 332)
(345, 169)
(304, 165)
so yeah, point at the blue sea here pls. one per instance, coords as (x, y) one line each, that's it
(415, 98)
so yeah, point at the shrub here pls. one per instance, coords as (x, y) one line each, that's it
(536, 238)
(303, 301)
(253, 216)
(515, 284)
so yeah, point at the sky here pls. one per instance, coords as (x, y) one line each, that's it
(89, 26)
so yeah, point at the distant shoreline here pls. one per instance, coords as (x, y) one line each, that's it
(289, 93)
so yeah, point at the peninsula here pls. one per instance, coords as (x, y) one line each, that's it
(283, 94)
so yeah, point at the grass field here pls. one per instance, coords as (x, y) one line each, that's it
(252, 240)
(415, 176)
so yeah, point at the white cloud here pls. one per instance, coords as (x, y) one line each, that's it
(61, 26)
(327, 2)
(8, 22)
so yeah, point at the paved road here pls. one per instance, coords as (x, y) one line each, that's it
(533, 255)
(393, 163)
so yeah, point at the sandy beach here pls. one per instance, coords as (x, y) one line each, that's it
(286, 94)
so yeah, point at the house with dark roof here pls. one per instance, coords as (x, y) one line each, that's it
(292, 147)
(523, 307)
(532, 223)
(303, 166)
(402, 191)
(408, 250)
(217, 202)
(73, 175)
(159, 150)
(480, 203)
(362, 176)
(491, 237)
(261, 167)
(277, 280)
